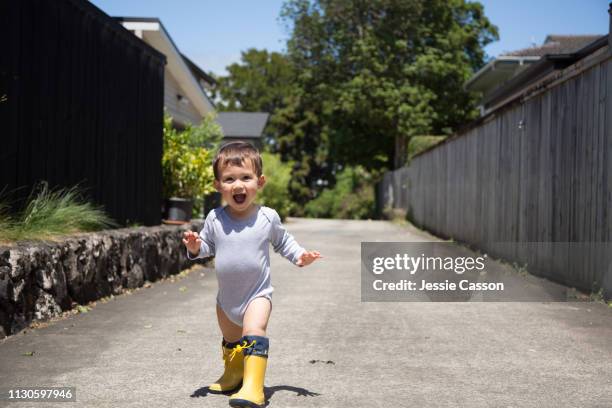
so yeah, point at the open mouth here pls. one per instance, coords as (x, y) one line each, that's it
(239, 198)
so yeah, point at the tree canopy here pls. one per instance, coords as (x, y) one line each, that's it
(259, 82)
(359, 78)
(381, 70)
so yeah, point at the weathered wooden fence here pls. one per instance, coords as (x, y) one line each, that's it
(531, 184)
(84, 104)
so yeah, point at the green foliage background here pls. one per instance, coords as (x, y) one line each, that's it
(186, 163)
(275, 193)
(259, 83)
(359, 80)
(352, 197)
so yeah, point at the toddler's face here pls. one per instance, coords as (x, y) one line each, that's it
(238, 186)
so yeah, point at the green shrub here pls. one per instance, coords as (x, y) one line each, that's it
(52, 212)
(186, 163)
(275, 193)
(352, 197)
(208, 134)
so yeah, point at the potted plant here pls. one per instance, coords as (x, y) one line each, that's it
(186, 166)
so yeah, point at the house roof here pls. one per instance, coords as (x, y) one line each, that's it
(544, 66)
(158, 37)
(543, 74)
(197, 71)
(556, 44)
(498, 71)
(503, 69)
(243, 124)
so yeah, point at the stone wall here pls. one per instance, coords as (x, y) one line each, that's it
(39, 280)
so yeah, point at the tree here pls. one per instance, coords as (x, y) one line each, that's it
(371, 74)
(302, 139)
(259, 83)
(358, 80)
(267, 82)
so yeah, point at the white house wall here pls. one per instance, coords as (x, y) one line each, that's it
(154, 35)
(183, 113)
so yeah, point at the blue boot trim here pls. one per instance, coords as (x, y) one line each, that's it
(229, 345)
(255, 346)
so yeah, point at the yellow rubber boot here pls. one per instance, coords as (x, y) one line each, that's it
(255, 361)
(234, 367)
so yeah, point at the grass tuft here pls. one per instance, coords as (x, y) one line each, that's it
(5, 218)
(50, 213)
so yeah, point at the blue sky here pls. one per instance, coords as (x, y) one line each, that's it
(213, 33)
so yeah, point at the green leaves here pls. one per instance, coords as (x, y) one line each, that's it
(386, 69)
(258, 84)
(358, 80)
(275, 193)
(187, 160)
(352, 197)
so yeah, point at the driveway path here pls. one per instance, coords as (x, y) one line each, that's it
(159, 347)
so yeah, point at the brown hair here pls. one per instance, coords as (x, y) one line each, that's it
(235, 153)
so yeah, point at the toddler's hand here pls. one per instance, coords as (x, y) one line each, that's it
(308, 257)
(192, 241)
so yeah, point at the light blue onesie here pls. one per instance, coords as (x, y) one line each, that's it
(242, 255)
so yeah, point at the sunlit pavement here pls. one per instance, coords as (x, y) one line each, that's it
(160, 347)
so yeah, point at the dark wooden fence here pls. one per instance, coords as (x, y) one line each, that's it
(531, 184)
(84, 104)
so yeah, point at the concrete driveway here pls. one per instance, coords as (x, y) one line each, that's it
(160, 347)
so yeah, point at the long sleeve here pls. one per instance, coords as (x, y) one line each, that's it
(283, 242)
(207, 247)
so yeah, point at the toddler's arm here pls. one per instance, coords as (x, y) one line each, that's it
(205, 239)
(284, 243)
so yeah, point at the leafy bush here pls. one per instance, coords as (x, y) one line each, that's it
(186, 162)
(52, 212)
(207, 134)
(275, 193)
(352, 197)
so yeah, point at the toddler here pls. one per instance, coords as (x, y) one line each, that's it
(238, 236)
